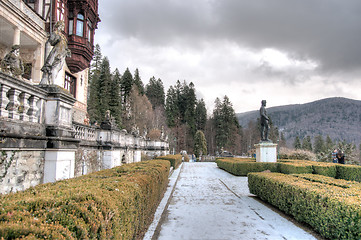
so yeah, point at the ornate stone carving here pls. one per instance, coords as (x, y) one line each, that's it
(12, 64)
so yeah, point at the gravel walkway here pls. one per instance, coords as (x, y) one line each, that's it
(211, 204)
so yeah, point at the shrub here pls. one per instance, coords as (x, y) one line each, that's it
(348, 172)
(242, 166)
(286, 153)
(175, 160)
(295, 167)
(326, 169)
(116, 203)
(332, 210)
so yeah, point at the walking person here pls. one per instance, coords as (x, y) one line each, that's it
(340, 157)
(334, 156)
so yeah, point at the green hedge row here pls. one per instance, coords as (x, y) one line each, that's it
(175, 160)
(332, 210)
(116, 203)
(241, 167)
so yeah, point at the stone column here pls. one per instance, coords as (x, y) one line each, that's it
(16, 39)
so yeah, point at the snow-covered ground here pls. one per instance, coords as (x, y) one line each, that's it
(209, 203)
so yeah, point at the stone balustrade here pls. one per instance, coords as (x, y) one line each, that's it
(84, 132)
(21, 100)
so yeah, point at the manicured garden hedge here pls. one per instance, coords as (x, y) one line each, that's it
(116, 203)
(175, 160)
(331, 206)
(349, 172)
(243, 166)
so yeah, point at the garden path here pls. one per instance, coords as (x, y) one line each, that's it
(208, 203)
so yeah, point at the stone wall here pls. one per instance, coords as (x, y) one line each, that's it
(20, 169)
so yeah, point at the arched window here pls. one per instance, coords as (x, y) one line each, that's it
(80, 25)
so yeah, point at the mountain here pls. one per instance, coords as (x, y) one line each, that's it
(340, 118)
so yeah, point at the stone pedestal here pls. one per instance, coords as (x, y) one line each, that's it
(59, 165)
(266, 152)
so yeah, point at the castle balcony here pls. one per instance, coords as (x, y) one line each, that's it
(20, 25)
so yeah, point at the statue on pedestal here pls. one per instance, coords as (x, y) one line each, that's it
(56, 58)
(264, 122)
(12, 63)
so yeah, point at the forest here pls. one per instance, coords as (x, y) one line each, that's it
(177, 116)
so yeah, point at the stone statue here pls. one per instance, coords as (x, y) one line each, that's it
(12, 63)
(56, 58)
(264, 122)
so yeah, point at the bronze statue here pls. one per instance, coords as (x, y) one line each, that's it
(264, 122)
(12, 63)
(56, 58)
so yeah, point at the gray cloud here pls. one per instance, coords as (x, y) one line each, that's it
(326, 31)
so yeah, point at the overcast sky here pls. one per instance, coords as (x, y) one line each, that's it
(284, 51)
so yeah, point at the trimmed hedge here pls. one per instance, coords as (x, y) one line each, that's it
(243, 166)
(116, 203)
(332, 210)
(349, 172)
(295, 167)
(175, 160)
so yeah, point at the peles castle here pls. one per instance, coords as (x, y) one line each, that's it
(45, 51)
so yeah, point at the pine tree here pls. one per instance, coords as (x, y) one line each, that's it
(226, 124)
(200, 115)
(126, 84)
(200, 144)
(297, 143)
(319, 144)
(171, 107)
(155, 92)
(138, 82)
(329, 145)
(306, 143)
(99, 97)
(115, 103)
(94, 86)
(105, 81)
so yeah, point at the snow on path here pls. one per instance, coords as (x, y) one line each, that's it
(211, 204)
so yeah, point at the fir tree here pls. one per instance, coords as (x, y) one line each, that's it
(200, 115)
(126, 84)
(155, 92)
(307, 144)
(319, 144)
(297, 143)
(115, 103)
(138, 82)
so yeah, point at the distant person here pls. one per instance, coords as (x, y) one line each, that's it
(340, 157)
(334, 156)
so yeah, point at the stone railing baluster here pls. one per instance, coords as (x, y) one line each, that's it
(4, 100)
(24, 106)
(13, 105)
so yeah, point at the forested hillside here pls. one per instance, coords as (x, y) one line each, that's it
(339, 118)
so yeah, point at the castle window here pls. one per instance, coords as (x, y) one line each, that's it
(80, 25)
(70, 84)
(89, 31)
(71, 26)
